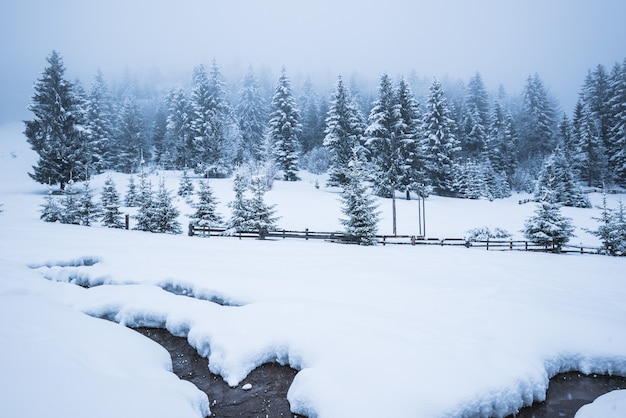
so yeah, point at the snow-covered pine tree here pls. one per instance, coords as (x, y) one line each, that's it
(58, 130)
(344, 133)
(260, 215)
(185, 185)
(51, 210)
(612, 229)
(239, 206)
(110, 203)
(617, 133)
(164, 213)
(88, 210)
(548, 227)
(475, 118)
(440, 144)
(162, 153)
(409, 132)
(179, 136)
(358, 205)
(537, 130)
(145, 216)
(70, 206)
(252, 116)
(131, 198)
(206, 214)
(130, 147)
(100, 113)
(470, 180)
(557, 176)
(284, 128)
(311, 118)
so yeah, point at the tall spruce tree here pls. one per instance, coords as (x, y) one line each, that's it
(131, 147)
(58, 132)
(557, 176)
(180, 135)
(537, 130)
(344, 133)
(252, 116)
(311, 118)
(617, 131)
(475, 118)
(284, 128)
(440, 144)
(100, 114)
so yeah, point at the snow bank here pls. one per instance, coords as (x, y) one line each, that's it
(611, 405)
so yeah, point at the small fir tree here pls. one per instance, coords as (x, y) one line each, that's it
(548, 227)
(132, 197)
(612, 229)
(51, 209)
(260, 215)
(239, 206)
(88, 210)
(145, 214)
(185, 186)
(70, 206)
(205, 214)
(359, 207)
(164, 213)
(110, 202)
(557, 175)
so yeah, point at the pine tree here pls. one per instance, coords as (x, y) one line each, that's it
(537, 133)
(312, 119)
(617, 131)
(344, 132)
(58, 131)
(260, 215)
(440, 145)
(239, 206)
(358, 205)
(100, 113)
(548, 227)
(185, 185)
(88, 210)
(284, 128)
(51, 210)
(558, 177)
(252, 114)
(162, 151)
(179, 136)
(476, 117)
(70, 206)
(110, 203)
(130, 144)
(145, 216)
(206, 214)
(163, 213)
(612, 229)
(132, 197)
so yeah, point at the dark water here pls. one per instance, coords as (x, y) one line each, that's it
(567, 392)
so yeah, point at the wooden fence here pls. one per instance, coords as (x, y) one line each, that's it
(341, 237)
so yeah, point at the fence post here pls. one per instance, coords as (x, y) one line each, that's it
(487, 244)
(127, 221)
(190, 229)
(526, 245)
(511, 245)
(412, 239)
(384, 239)
(306, 234)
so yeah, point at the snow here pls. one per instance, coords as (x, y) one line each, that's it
(423, 331)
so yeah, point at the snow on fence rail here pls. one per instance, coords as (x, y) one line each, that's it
(341, 237)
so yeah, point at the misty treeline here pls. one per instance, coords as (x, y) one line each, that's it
(411, 136)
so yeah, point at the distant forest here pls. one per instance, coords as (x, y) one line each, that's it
(413, 136)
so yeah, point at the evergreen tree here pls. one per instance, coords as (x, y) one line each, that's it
(440, 145)
(501, 142)
(100, 111)
(617, 131)
(344, 132)
(130, 142)
(88, 210)
(548, 227)
(211, 124)
(58, 130)
(537, 137)
(252, 114)
(132, 197)
(163, 213)
(206, 214)
(382, 140)
(284, 128)
(358, 205)
(312, 119)
(591, 156)
(179, 137)
(185, 186)
(558, 177)
(260, 215)
(110, 203)
(145, 216)
(476, 118)
(162, 151)
(70, 210)
(51, 210)
(612, 229)
(470, 180)
(239, 206)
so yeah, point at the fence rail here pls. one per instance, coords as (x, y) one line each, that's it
(341, 237)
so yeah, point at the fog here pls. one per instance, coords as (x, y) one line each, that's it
(504, 40)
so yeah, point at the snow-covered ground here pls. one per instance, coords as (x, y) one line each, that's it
(375, 331)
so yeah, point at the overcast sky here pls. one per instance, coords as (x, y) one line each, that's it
(504, 40)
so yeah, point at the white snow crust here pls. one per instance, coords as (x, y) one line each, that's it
(377, 331)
